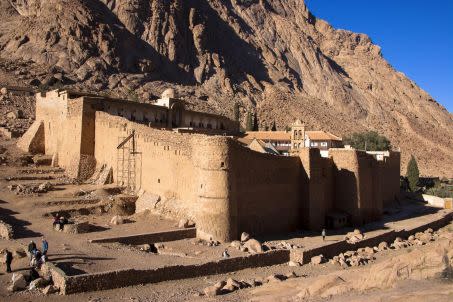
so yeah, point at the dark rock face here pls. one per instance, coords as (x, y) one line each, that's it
(270, 56)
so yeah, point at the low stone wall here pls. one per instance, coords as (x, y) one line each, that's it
(59, 278)
(304, 255)
(150, 238)
(129, 277)
(6, 230)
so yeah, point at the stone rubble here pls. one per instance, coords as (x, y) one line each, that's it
(230, 285)
(365, 255)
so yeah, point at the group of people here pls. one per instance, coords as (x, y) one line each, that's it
(38, 257)
(59, 222)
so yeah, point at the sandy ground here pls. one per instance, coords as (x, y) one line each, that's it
(30, 216)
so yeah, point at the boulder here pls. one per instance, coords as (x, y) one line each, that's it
(236, 244)
(214, 290)
(343, 263)
(369, 250)
(243, 249)
(293, 263)
(44, 187)
(383, 246)
(18, 282)
(145, 247)
(253, 246)
(228, 289)
(183, 223)
(49, 289)
(3, 91)
(230, 282)
(38, 283)
(317, 260)
(244, 237)
(425, 237)
(117, 220)
(12, 115)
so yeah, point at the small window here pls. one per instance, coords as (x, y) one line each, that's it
(158, 180)
(222, 165)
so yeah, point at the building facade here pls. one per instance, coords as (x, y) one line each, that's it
(287, 142)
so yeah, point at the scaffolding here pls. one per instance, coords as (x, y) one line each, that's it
(126, 171)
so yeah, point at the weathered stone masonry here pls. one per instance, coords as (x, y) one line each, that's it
(212, 179)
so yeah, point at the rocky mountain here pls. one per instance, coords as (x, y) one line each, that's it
(273, 57)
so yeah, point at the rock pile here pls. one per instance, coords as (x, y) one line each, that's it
(230, 285)
(317, 260)
(6, 230)
(364, 255)
(420, 238)
(354, 237)
(23, 189)
(283, 245)
(354, 258)
(248, 244)
(42, 282)
(198, 241)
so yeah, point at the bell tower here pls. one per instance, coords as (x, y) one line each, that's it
(297, 135)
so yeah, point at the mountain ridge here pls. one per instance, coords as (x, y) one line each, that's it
(272, 57)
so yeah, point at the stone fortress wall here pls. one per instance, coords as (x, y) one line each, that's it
(212, 179)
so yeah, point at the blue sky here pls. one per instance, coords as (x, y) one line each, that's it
(416, 36)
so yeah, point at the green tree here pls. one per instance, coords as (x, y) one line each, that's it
(236, 113)
(412, 174)
(369, 140)
(274, 127)
(255, 122)
(249, 122)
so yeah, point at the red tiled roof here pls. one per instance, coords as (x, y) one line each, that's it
(322, 135)
(268, 135)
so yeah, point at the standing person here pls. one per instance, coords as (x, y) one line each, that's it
(323, 233)
(8, 260)
(45, 246)
(31, 248)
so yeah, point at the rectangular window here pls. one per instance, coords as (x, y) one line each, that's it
(324, 144)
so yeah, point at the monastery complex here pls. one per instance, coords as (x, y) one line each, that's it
(200, 167)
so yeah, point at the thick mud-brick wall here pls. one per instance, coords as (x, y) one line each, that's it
(317, 184)
(267, 190)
